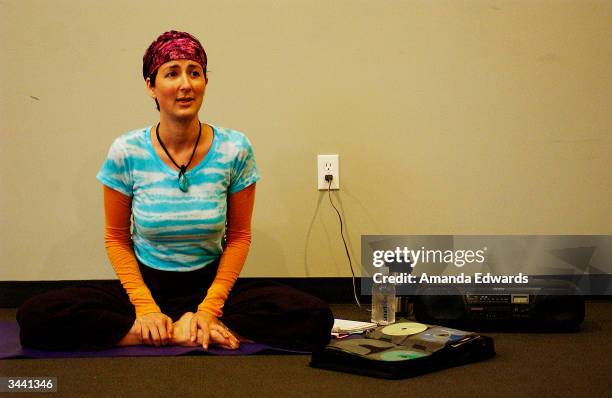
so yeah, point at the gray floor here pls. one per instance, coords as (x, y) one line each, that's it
(576, 365)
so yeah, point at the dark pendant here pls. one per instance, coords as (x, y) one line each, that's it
(183, 183)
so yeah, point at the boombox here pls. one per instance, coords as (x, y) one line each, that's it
(545, 305)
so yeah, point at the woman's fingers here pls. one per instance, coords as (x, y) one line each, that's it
(234, 341)
(217, 337)
(193, 329)
(155, 336)
(163, 334)
(205, 335)
(145, 338)
(228, 339)
(156, 329)
(169, 327)
(224, 331)
(213, 331)
(220, 340)
(197, 323)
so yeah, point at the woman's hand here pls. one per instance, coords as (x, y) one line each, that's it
(155, 329)
(213, 331)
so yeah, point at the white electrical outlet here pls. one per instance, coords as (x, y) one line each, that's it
(328, 165)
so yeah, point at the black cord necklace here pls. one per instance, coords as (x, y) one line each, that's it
(183, 182)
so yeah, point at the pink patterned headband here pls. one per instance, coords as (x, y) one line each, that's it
(169, 46)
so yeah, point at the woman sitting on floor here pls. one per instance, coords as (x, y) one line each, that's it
(178, 200)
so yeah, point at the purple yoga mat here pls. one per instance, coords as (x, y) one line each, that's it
(11, 348)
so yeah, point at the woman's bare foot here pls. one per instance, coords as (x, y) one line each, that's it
(133, 337)
(182, 334)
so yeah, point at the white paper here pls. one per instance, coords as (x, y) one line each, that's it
(348, 326)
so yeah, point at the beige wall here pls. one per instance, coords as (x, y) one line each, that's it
(450, 117)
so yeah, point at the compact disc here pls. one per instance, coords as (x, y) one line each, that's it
(404, 329)
(362, 346)
(400, 355)
(368, 343)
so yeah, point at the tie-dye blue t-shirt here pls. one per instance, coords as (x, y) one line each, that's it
(172, 229)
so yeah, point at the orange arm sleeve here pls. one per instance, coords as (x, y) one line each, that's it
(239, 212)
(118, 243)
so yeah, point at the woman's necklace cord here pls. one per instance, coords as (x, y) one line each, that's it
(183, 182)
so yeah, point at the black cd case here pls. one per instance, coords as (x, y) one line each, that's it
(382, 354)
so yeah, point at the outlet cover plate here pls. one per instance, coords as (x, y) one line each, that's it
(328, 164)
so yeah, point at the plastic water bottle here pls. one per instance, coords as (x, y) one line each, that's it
(383, 301)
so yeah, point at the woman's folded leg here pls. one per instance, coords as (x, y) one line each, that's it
(278, 315)
(80, 318)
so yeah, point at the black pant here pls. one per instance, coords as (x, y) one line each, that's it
(88, 317)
